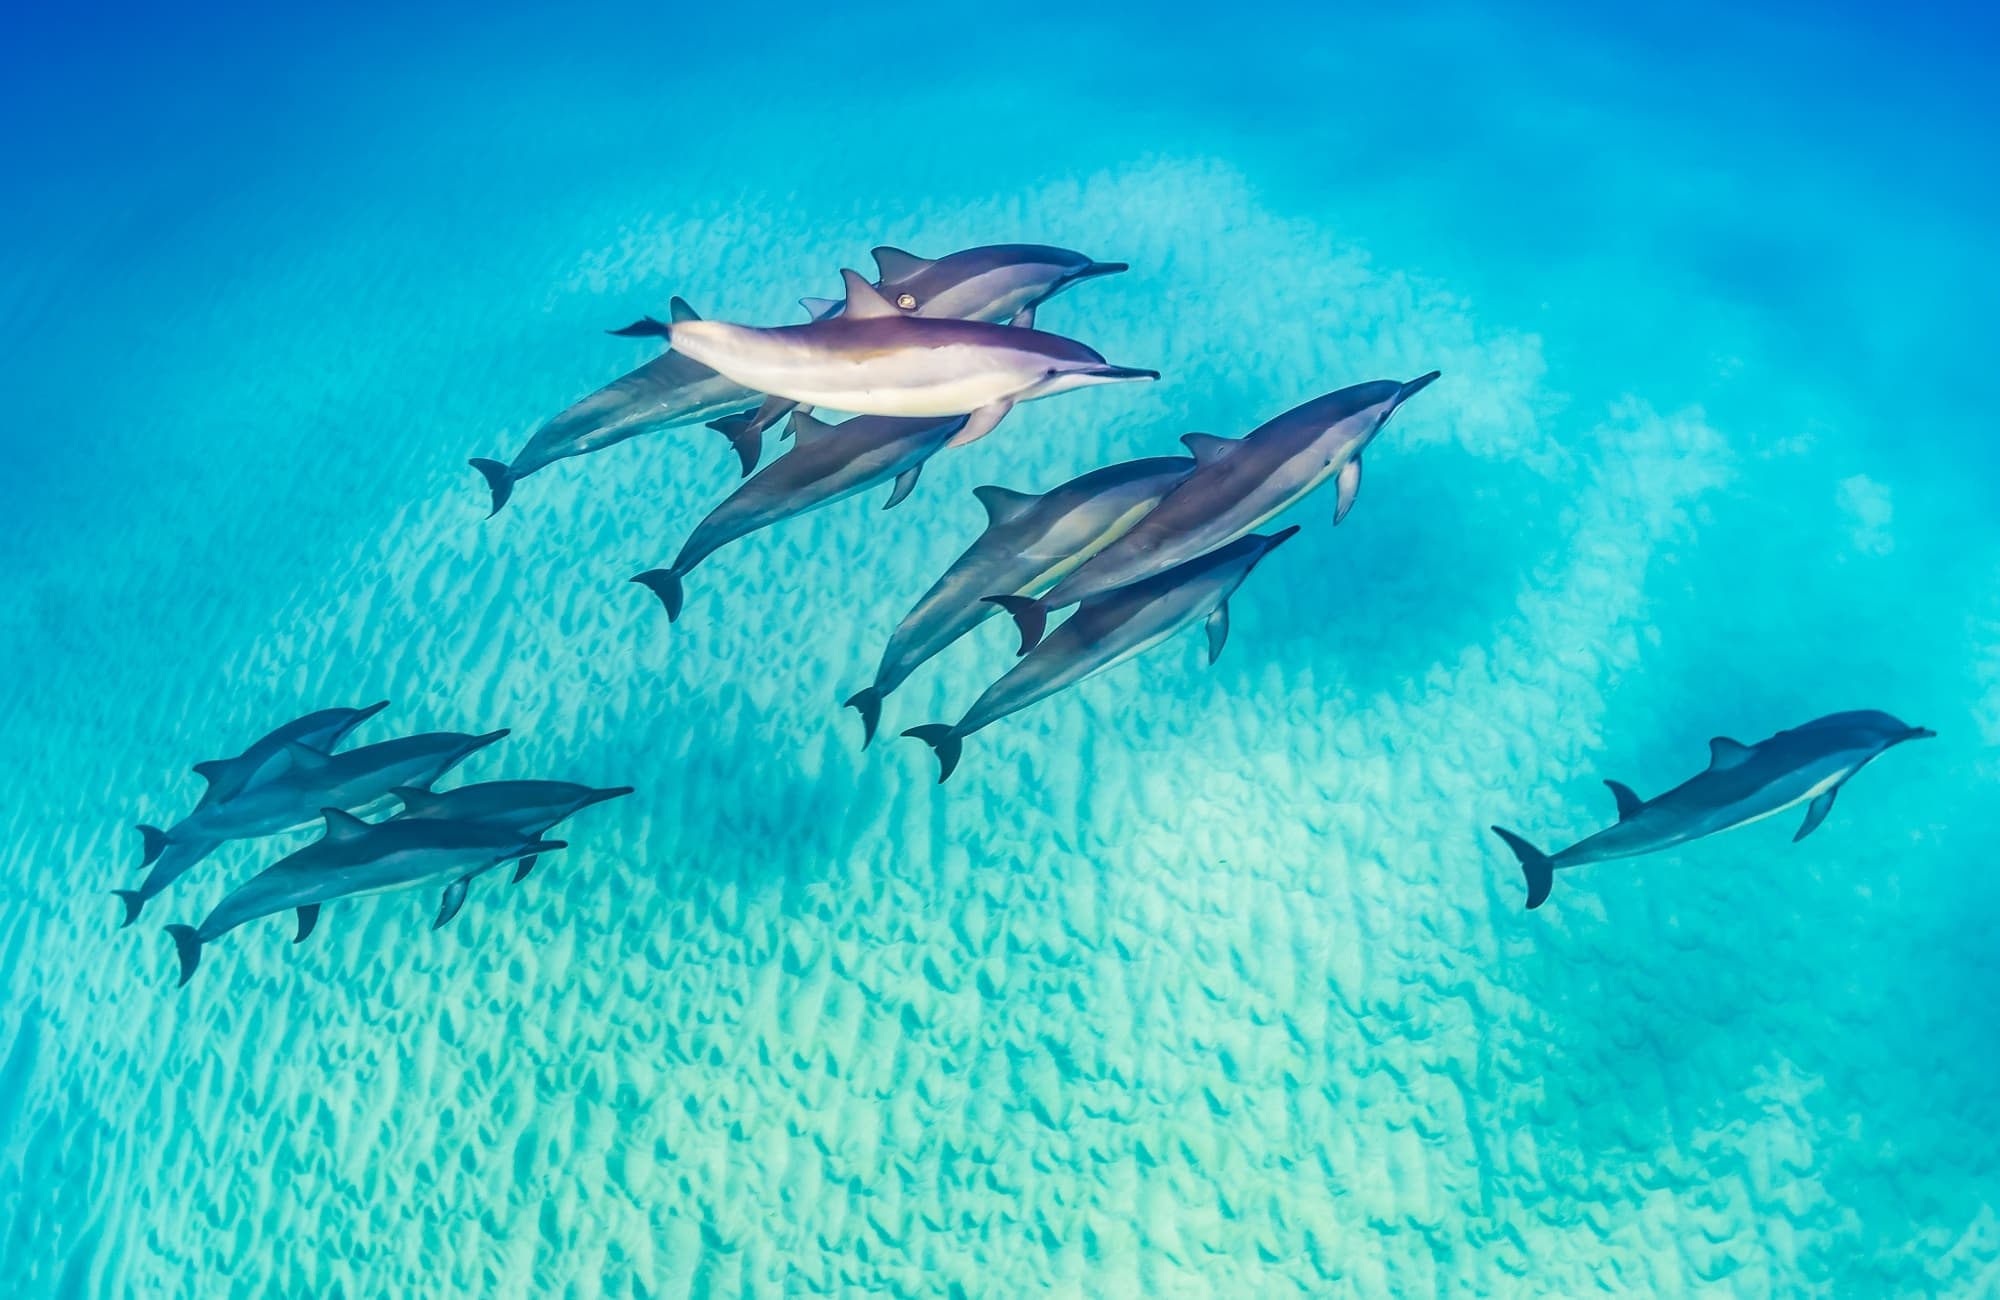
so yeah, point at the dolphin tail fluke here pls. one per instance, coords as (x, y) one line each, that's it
(499, 479)
(134, 901)
(187, 946)
(1536, 865)
(945, 741)
(156, 843)
(1030, 615)
(868, 703)
(666, 584)
(744, 434)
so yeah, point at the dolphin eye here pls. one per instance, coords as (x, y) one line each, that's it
(907, 301)
(1050, 373)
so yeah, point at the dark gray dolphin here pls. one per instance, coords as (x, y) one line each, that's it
(353, 859)
(873, 359)
(355, 780)
(1030, 542)
(826, 463)
(1106, 631)
(1742, 784)
(267, 756)
(528, 808)
(666, 392)
(1002, 283)
(1238, 485)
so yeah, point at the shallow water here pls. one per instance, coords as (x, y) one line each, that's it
(1192, 981)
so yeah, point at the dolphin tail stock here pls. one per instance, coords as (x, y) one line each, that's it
(187, 946)
(1536, 865)
(134, 900)
(155, 843)
(499, 480)
(868, 703)
(1030, 615)
(666, 584)
(945, 742)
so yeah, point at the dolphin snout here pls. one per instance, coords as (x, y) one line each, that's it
(478, 743)
(1095, 269)
(1415, 386)
(1114, 374)
(611, 792)
(1920, 733)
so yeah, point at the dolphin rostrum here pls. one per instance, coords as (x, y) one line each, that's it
(1238, 485)
(268, 756)
(1002, 283)
(1106, 631)
(826, 463)
(671, 390)
(1742, 784)
(873, 359)
(1030, 542)
(354, 858)
(354, 780)
(528, 808)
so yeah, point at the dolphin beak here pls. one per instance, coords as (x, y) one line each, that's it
(362, 715)
(480, 742)
(1415, 386)
(602, 796)
(1095, 269)
(1920, 733)
(1118, 374)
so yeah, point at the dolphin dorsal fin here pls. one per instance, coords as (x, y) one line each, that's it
(342, 826)
(820, 308)
(1724, 753)
(895, 264)
(1206, 448)
(1004, 504)
(806, 428)
(1628, 803)
(304, 757)
(863, 302)
(210, 770)
(678, 311)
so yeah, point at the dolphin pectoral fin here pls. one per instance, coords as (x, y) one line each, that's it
(980, 423)
(1347, 486)
(499, 481)
(906, 483)
(644, 328)
(1628, 803)
(1536, 865)
(1816, 813)
(454, 898)
(1218, 631)
(155, 843)
(1030, 615)
(308, 918)
(1024, 318)
(523, 867)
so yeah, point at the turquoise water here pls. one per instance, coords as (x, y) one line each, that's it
(1193, 981)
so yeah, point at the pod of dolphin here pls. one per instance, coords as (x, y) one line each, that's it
(932, 355)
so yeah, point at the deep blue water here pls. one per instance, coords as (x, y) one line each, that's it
(1194, 981)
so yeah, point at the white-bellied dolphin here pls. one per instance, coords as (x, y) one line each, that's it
(1742, 784)
(1238, 485)
(1106, 631)
(826, 463)
(1030, 542)
(268, 756)
(875, 360)
(670, 390)
(355, 780)
(1002, 283)
(354, 858)
(528, 808)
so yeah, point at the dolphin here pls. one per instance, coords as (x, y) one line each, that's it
(355, 780)
(1030, 542)
(1002, 283)
(354, 858)
(668, 391)
(1238, 485)
(826, 463)
(528, 808)
(1742, 784)
(267, 756)
(1108, 630)
(873, 359)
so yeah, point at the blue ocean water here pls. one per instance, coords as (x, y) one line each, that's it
(1194, 981)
